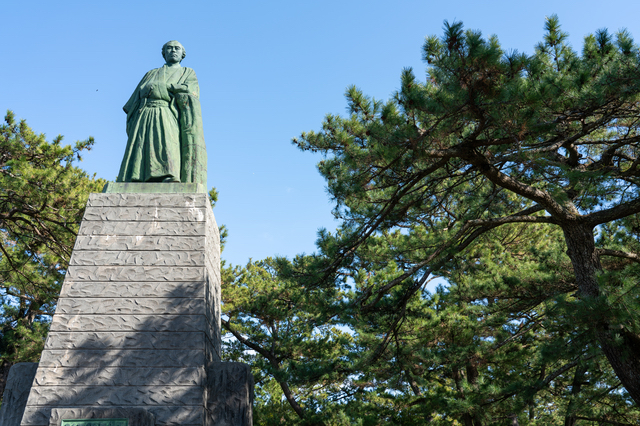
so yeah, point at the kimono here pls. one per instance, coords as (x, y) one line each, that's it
(164, 129)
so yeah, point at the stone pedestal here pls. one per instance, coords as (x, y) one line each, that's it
(16, 392)
(137, 324)
(231, 398)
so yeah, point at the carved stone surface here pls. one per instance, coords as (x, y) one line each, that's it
(137, 324)
(134, 416)
(68, 396)
(153, 258)
(168, 415)
(230, 399)
(135, 273)
(124, 340)
(139, 243)
(142, 228)
(128, 214)
(118, 376)
(129, 306)
(63, 322)
(148, 200)
(133, 289)
(176, 358)
(16, 392)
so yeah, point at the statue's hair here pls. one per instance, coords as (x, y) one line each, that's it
(184, 52)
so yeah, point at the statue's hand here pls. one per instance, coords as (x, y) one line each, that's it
(177, 88)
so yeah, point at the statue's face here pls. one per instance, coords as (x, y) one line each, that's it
(173, 52)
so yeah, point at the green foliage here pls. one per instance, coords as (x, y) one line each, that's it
(289, 347)
(42, 199)
(514, 178)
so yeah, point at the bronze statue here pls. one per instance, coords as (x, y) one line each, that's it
(164, 125)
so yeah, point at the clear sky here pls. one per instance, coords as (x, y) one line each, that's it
(268, 70)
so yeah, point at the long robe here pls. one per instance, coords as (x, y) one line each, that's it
(164, 129)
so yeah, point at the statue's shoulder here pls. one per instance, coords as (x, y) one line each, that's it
(149, 74)
(189, 75)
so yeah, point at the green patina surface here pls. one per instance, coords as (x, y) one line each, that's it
(95, 422)
(164, 125)
(153, 188)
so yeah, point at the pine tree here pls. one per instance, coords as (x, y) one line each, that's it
(42, 199)
(491, 140)
(295, 346)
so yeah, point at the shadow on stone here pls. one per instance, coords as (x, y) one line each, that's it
(231, 394)
(134, 416)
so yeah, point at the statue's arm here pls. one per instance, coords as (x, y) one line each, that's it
(193, 153)
(176, 88)
(132, 104)
(187, 85)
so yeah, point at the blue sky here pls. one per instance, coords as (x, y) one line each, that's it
(267, 70)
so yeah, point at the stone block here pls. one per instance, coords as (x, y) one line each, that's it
(143, 188)
(145, 258)
(130, 306)
(36, 416)
(169, 415)
(135, 273)
(138, 243)
(133, 289)
(144, 200)
(179, 416)
(16, 392)
(64, 322)
(137, 324)
(119, 376)
(167, 358)
(125, 340)
(142, 228)
(146, 214)
(109, 396)
(134, 416)
(230, 396)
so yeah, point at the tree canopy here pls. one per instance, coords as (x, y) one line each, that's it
(515, 178)
(42, 199)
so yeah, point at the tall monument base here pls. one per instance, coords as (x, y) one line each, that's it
(137, 326)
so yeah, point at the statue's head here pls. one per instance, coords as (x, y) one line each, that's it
(173, 45)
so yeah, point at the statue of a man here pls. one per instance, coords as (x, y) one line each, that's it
(164, 125)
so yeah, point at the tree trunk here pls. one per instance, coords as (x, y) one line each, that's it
(472, 378)
(624, 358)
(292, 401)
(578, 378)
(467, 418)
